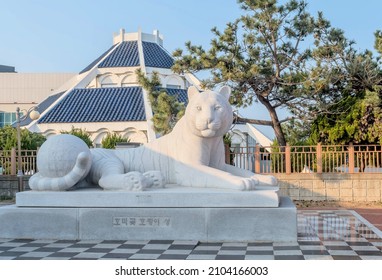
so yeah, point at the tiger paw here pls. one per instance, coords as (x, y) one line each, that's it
(156, 178)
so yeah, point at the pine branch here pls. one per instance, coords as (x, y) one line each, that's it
(258, 122)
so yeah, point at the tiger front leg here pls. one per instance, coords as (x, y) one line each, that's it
(131, 181)
(207, 177)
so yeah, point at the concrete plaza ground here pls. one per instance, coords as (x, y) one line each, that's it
(326, 231)
(371, 211)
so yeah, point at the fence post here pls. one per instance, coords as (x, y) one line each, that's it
(319, 158)
(288, 165)
(257, 159)
(38, 148)
(351, 157)
(226, 154)
(13, 161)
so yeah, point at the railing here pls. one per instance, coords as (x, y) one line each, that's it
(8, 162)
(308, 159)
(288, 159)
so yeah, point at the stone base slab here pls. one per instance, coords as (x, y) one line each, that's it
(208, 224)
(171, 196)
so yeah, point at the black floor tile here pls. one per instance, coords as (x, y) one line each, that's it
(230, 257)
(27, 258)
(314, 252)
(113, 241)
(313, 243)
(21, 240)
(280, 248)
(234, 248)
(260, 244)
(369, 253)
(210, 244)
(11, 254)
(82, 245)
(34, 244)
(116, 256)
(84, 259)
(204, 252)
(341, 248)
(63, 254)
(172, 257)
(5, 248)
(358, 243)
(161, 241)
(131, 246)
(150, 251)
(258, 252)
(98, 250)
(289, 257)
(181, 247)
(47, 249)
(345, 257)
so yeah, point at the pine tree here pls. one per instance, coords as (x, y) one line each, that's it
(260, 55)
(167, 110)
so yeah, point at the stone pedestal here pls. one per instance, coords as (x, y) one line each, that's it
(173, 213)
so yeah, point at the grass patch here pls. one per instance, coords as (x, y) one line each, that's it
(6, 198)
(306, 204)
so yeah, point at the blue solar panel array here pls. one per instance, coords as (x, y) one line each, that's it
(180, 93)
(98, 105)
(155, 56)
(42, 107)
(125, 55)
(91, 65)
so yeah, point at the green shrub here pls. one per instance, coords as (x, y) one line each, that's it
(80, 133)
(111, 140)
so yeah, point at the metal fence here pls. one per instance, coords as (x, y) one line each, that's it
(288, 159)
(9, 163)
(308, 159)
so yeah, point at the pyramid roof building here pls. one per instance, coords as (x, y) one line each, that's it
(106, 97)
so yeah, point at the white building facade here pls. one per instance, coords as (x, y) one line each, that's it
(106, 97)
(25, 90)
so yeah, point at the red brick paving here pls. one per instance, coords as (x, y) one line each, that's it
(374, 216)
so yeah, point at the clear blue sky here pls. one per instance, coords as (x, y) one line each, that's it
(65, 36)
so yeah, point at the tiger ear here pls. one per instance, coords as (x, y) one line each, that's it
(225, 91)
(191, 92)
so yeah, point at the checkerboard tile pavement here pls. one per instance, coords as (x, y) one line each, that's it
(322, 235)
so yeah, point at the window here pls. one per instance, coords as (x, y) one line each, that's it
(7, 118)
(109, 81)
(173, 86)
(108, 85)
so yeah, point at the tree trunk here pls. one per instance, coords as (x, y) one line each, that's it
(276, 124)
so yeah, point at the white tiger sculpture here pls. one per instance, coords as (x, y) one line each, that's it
(191, 155)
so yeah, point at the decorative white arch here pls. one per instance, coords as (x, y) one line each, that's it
(50, 132)
(238, 138)
(109, 80)
(134, 135)
(128, 80)
(173, 81)
(98, 135)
